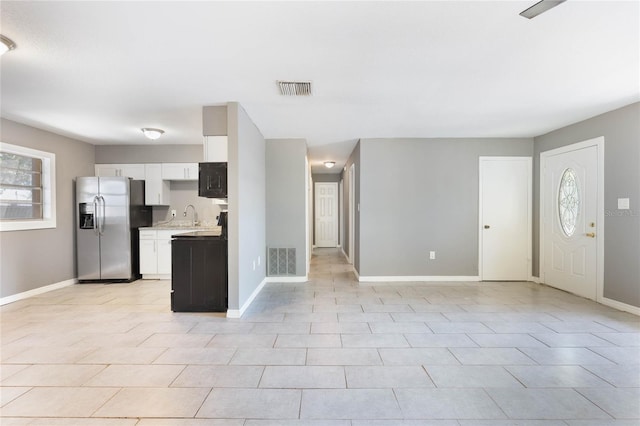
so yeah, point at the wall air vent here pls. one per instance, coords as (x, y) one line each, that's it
(295, 88)
(281, 262)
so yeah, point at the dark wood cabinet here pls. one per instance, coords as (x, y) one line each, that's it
(212, 180)
(198, 274)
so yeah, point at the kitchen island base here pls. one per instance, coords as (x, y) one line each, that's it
(198, 273)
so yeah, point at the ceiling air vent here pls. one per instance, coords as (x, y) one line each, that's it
(295, 88)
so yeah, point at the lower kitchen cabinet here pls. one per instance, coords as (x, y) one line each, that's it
(199, 274)
(155, 253)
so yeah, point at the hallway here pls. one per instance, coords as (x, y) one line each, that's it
(331, 352)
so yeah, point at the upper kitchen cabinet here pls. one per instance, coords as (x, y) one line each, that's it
(180, 171)
(214, 121)
(133, 171)
(157, 190)
(215, 149)
(213, 180)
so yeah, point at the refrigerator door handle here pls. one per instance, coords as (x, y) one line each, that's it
(96, 216)
(103, 214)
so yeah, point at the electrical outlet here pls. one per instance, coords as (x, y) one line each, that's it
(258, 260)
(173, 213)
(432, 255)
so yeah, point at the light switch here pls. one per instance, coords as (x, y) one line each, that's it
(623, 204)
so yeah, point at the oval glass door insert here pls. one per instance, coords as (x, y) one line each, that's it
(568, 202)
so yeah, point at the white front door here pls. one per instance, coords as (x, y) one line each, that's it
(570, 217)
(326, 214)
(505, 218)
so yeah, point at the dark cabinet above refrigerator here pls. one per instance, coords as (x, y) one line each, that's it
(212, 180)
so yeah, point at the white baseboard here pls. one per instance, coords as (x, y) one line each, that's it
(344, 253)
(620, 306)
(37, 291)
(237, 313)
(534, 279)
(303, 279)
(417, 278)
(356, 273)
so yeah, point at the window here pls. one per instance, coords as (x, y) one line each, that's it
(27, 188)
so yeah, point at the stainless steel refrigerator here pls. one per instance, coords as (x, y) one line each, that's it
(109, 211)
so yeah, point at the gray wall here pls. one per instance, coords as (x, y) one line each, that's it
(418, 195)
(182, 192)
(36, 258)
(247, 205)
(326, 177)
(285, 197)
(131, 154)
(621, 131)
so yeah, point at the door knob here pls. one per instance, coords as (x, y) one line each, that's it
(591, 234)
(487, 227)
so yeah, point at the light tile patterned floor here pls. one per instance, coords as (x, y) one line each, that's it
(328, 352)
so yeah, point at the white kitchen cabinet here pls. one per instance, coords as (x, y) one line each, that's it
(180, 171)
(164, 256)
(155, 252)
(134, 171)
(216, 149)
(157, 190)
(148, 257)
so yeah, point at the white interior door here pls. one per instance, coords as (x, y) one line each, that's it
(570, 217)
(505, 218)
(326, 214)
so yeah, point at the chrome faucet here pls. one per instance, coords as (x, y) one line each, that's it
(194, 218)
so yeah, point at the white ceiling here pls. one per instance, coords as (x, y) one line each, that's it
(99, 71)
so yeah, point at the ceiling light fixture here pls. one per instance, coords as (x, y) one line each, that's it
(152, 134)
(540, 7)
(329, 164)
(6, 45)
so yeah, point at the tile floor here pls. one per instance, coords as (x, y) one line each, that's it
(329, 352)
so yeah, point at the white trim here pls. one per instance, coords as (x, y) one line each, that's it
(307, 213)
(341, 213)
(37, 291)
(535, 279)
(303, 279)
(344, 253)
(418, 278)
(599, 144)
(620, 306)
(352, 214)
(237, 313)
(355, 272)
(529, 164)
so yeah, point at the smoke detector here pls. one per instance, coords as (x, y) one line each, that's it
(295, 88)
